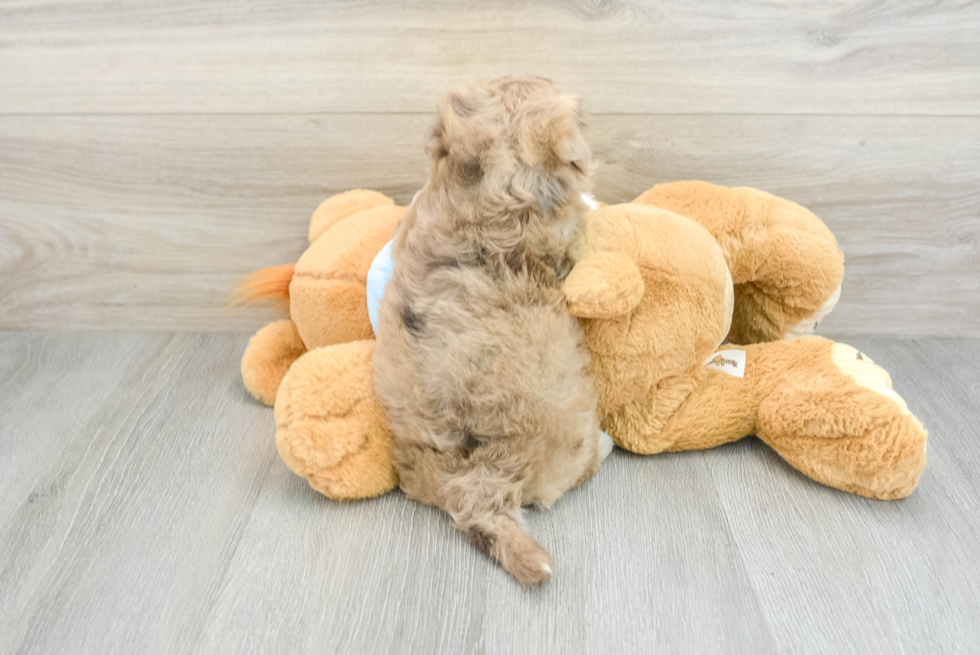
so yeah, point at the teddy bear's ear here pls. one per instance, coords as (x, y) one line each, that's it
(603, 285)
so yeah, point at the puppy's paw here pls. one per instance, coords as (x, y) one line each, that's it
(531, 566)
(506, 541)
(606, 445)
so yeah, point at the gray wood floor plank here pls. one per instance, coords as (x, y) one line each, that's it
(671, 56)
(842, 574)
(313, 575)
(144, 222)
(52, 392)
(839, 573)
(662, 528)
(940, 379)
(140, 507)
(41, 376)
(155, 516)
(389, 575)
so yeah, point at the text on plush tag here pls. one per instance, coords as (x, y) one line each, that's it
(731, 362)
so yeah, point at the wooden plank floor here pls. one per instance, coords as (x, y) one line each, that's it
(143, 508)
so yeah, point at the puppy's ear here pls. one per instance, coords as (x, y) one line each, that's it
(603, 285)
(570, 145)
(459, 121)
(436, 148)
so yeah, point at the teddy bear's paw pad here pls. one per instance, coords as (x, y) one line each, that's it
(862, 369)
(808, 325)
(337, 472)
(326, 410)
(317, 444)
(330, 428)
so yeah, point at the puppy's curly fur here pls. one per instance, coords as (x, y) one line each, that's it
(479, 365)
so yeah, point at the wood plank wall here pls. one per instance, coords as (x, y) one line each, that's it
(152, 151)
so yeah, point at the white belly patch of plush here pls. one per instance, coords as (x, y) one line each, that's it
(377, 278)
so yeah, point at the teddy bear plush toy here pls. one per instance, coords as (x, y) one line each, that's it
(697, 304)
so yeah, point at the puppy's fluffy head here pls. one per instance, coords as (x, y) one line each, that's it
(514, 143)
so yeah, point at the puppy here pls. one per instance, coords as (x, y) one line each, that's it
(478, 364)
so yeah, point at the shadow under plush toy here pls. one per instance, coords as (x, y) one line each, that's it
(659, 284)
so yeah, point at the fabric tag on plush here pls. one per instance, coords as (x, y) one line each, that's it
(728, 361)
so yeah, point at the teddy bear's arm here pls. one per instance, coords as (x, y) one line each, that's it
(603, 285)
(269, 354)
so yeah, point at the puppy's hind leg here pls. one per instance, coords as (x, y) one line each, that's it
(604, 446)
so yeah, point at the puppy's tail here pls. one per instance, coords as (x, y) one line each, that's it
(266, 285)
(503, 537)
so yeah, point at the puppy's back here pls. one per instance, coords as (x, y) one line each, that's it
(478, 364)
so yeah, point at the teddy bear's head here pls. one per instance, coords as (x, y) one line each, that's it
(327, 294)
(654, 295)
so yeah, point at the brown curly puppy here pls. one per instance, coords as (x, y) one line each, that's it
(478, 363)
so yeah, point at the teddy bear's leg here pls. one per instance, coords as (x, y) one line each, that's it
(328, 292)
(783, 290)
(269, 354)
(691, 411)
(714, 403)
(762, 314)
(330, 427)
(839, 421)
(809, 324)
(786, 264)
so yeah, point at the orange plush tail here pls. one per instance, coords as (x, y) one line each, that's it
(267, 286)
